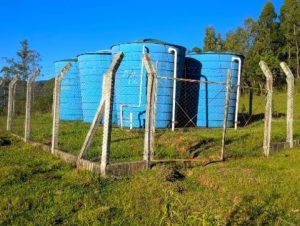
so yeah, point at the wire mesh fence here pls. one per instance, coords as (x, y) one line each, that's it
(3, 103)
(41, 111)
(18, 108)
(189, 116)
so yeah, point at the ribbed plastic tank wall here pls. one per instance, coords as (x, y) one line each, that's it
(131, 82)
(213, 67)
(92, 67)
(70, 100)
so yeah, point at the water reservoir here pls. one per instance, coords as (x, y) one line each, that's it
(92, 67)
(131, 81)
(70, 100)
(212, 67)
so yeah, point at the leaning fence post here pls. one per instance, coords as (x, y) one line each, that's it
(56, 106)
(109, 97)
(228, 90)
(268, 109)
(28, 105)
(290, 103)
(150, 111)
(11, 97)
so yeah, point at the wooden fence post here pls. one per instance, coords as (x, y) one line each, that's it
(268, 109)
(150, 111)
(56, 106)
(109, 97)
(290, 103)
(98, 116)
(227, 98)
(28, 105)
(11, 100)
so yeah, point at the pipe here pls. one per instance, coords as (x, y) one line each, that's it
(239, 60)
(140, 93)
(170, 50)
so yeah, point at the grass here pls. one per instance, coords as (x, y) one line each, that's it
(248, 189)
(38, 189)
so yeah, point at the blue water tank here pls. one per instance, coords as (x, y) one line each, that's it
(70, 99)
(92, 67)
(212, 67)
(131, 81)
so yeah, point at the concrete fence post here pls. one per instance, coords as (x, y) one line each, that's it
(268, 108)
(56, 106)
(227, 98)
(28, 105)
(290, 103)
(11, 100)
(109, 98)
(98, 116)
(150, 111)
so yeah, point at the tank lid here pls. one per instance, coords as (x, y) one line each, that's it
(219, 53)
(153, 41)
(66, 60)
(99, 52)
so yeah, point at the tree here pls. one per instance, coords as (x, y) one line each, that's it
(266, 46)
(196, 50)
(210, 40)
(289, 27)
(26, 63)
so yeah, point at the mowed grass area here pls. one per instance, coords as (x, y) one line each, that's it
(39, 189)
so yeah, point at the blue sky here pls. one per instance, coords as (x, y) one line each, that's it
(61, 29)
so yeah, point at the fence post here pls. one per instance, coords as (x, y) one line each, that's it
(268, 109)
(28, 105)
(290, 103)
(150, 111)
(109, 97)
(228, 90)
(11, 100)
(56, 106)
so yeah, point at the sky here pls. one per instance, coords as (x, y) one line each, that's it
(60, 29)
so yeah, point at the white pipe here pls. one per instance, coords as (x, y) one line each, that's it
(239, 60)
(174, 86)
(130, 120)
(140, 93)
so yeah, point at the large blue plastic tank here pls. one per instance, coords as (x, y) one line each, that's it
(131, 82)
(213, 67)
(92, 67)
(70, 99)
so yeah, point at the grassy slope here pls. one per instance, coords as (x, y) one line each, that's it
(36, 187)
(40, 189)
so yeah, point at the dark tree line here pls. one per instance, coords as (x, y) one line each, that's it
(272, 38)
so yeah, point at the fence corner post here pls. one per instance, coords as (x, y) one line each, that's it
(290, 103)
(108, 100)
(56, 106)
(11, 100)
(268, 108)
(28, 105)
(225, 119)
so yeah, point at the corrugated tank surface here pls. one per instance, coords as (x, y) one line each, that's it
(131, 82)
(92, 67)
(70, 99)
(213, 67)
